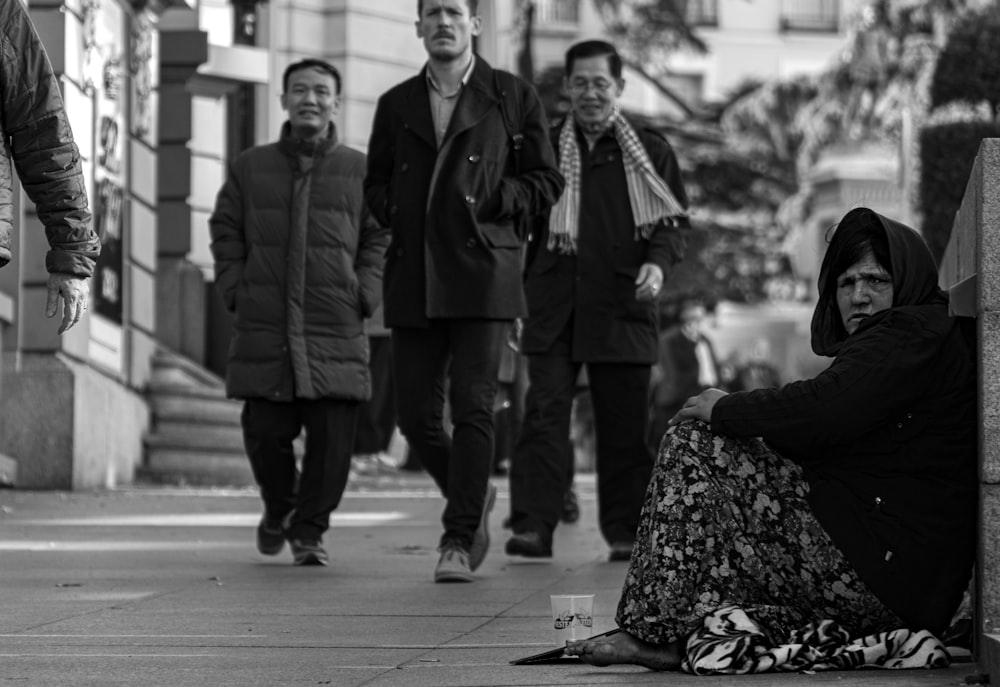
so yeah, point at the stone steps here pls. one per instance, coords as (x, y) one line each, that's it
(195, 436)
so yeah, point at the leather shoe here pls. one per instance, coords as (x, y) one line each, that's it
(270, 536)
(571, 507)
(529, 545)
(620, 551)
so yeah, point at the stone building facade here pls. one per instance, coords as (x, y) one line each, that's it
(161, 95)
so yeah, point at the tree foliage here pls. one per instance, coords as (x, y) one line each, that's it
(968, 70)
(964, 94)
(747, 161)
(647, 33)
(948, 151)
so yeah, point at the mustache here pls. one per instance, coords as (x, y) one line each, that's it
(444, 34)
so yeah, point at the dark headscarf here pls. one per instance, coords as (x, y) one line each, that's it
(914, 278)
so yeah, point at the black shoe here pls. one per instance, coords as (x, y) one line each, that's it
(270, 536)
(529, 545)
(620, 551)
(571, 507)
(308, 552)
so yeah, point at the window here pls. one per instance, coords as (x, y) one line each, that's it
(557, 12)
(245, 22)
(810, 15)
(242, 118)
(702, 12)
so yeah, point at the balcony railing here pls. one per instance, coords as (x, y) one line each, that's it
(810, 15)
(702, 12)
(548, 12)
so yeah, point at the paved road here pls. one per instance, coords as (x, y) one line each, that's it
(151, 587)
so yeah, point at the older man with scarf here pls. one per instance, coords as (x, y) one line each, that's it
(595, 270)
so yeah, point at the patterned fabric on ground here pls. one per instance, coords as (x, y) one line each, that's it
(725, 522)
(730, 643)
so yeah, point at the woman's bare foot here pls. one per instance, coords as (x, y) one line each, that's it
(622, 647)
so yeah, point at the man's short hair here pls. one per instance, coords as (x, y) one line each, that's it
(585, 49)
(473, 7)
(310, 63)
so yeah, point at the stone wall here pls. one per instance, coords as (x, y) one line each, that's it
(971, 268)
(67, 425)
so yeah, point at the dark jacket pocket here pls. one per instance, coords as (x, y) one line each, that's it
(630, 308)
(501, 235)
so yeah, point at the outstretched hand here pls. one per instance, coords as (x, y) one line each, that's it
(75, 294)
(698, 407)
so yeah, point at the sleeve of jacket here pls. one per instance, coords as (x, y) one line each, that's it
(873, 380)
(538, 184)
(668, 243)
(373, 240)
(381, 152)
(226, 226)
(42, 147)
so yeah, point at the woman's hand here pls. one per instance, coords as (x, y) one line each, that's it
(698, 407)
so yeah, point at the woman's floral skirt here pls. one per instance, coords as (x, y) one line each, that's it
(726, 523)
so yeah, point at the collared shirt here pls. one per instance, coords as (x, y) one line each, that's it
(442, 104)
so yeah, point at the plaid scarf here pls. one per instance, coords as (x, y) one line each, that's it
(651, 199)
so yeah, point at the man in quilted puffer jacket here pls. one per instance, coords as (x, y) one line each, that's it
(38, 142)
(298, 261)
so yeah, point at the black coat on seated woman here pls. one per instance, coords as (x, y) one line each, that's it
(847, 501)
(886, 437)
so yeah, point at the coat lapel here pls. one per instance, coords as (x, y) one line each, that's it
(478, 97)
(415, 110)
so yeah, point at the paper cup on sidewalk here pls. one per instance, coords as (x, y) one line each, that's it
(572, 617)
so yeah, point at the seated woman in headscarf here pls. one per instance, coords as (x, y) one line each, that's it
(849, 498)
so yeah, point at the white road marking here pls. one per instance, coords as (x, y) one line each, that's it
(25, 635)
(94, 546)
(202, 520)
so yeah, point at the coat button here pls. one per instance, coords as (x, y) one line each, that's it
(394, 209)
(473, 158)
(470, 200)
(899, 425)
(405, 166)
(471, 243)
(399, 252)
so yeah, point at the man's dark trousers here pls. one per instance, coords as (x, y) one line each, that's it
(464, 356)
(377, 415)
(269, 428)
(539, 472)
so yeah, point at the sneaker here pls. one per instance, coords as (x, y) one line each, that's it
(620, 551)
(481, 537)
(308, 552)
(453, 565)
(529, 545)
(270, 536)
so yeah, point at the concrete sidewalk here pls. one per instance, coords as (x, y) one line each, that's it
(158, 587)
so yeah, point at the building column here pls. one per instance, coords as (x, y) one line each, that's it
(71, 414)
(180, 293)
